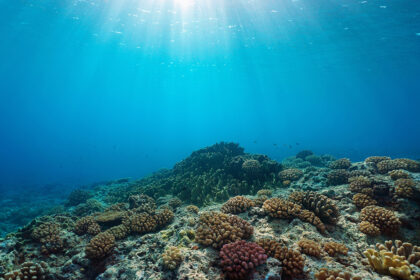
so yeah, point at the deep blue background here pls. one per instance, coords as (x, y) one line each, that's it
(96, 90)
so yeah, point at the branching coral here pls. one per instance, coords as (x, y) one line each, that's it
(291, 174)
(387, 263)
(28, 270)
(283, 209)
(326, 274)
(310, 247)
(338, 177)
(239, 259)
(407, 250)
(381, 218)
(172, 257)
(404, 187)
(292, 261)
(100, 246)
(342, 163)
(362, 200)
(323, 207)
(216, 229)
(87, 225)
(237, 204)
(334, 248)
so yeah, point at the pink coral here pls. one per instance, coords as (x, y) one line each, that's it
(239, 259)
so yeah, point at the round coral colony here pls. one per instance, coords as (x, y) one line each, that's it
(239, 259)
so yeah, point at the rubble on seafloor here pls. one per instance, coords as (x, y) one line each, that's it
(224, 214)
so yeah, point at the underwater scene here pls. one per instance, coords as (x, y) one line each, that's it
(210, 139)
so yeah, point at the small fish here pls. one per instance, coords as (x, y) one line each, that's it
(275, 144)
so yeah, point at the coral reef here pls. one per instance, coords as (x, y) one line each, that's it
(291, 174)
(398, 174)
(310, 248)
(100, 246)
(28, 270)
(338, 177)
(326, 274)
(404, 249)
(172, 257)
(342, 163)
(239, 259)
(216, 229)
(333, 248)
(237, 204)
(362, 200)
(381, 219)
(87, 225)
(77, 197)
(404, 187)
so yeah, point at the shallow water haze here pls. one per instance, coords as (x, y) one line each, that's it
(98, 90)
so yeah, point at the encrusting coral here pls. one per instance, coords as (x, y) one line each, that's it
(310, 247)
(334, 248)
(292, 261)
(387, 263)
(239, 259)
(172, 257)
(100, 246)
(237, 204)
(380, 219)
(216, 229)
(326, 274)
(28, 270)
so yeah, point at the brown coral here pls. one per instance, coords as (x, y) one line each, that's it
(399, 163)
(338, 177)
(361, 184)
(140, 223)
(291, 174)
(163, 217)
(87, 225)
(174, 202)
(369, 229)
(48, 234)
(28, 270)
(404, 249)
(292, 261)
(216, 229)
(309, 247)
(237, 204)
(398, 174)
(404, 187)
(376, 159)
(192, 209)
(362, 200)
(142, 203)
(172, 257)
(323, 207)
(342, 163)
(264, 192)
(310, 217)
(326, 274)
(100, 246)
(381, 218)
(280, 208)
(334, 248)
(119, 232)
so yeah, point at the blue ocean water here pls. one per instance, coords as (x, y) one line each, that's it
(97, 90)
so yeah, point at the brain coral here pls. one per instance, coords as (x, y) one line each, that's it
(338, 177)
(100, 246)
(385, 220)
(292, 261)
(172, 257)
(239, 259)
(291, 174)
(28, 270)
(342, 163)
(216, 229)
(237, 204)
(387, 263)
(323, 207)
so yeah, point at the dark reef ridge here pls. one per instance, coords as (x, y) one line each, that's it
(222, 213)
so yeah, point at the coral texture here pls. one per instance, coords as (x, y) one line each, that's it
(361, 184)
(338, 177)
(239, 259)
(172, 257)
(385, 220)
(398, 174)
(237, 204)
(404, 187)
(100, 246)
(342, 163)
(28, 270)
(291, 174)
(362, 200)
(310, 248)
(404, 249)
(326, 274)
(216, 229)
(334, 248)
(87, 225)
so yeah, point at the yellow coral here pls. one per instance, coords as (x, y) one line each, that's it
(389, 264)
